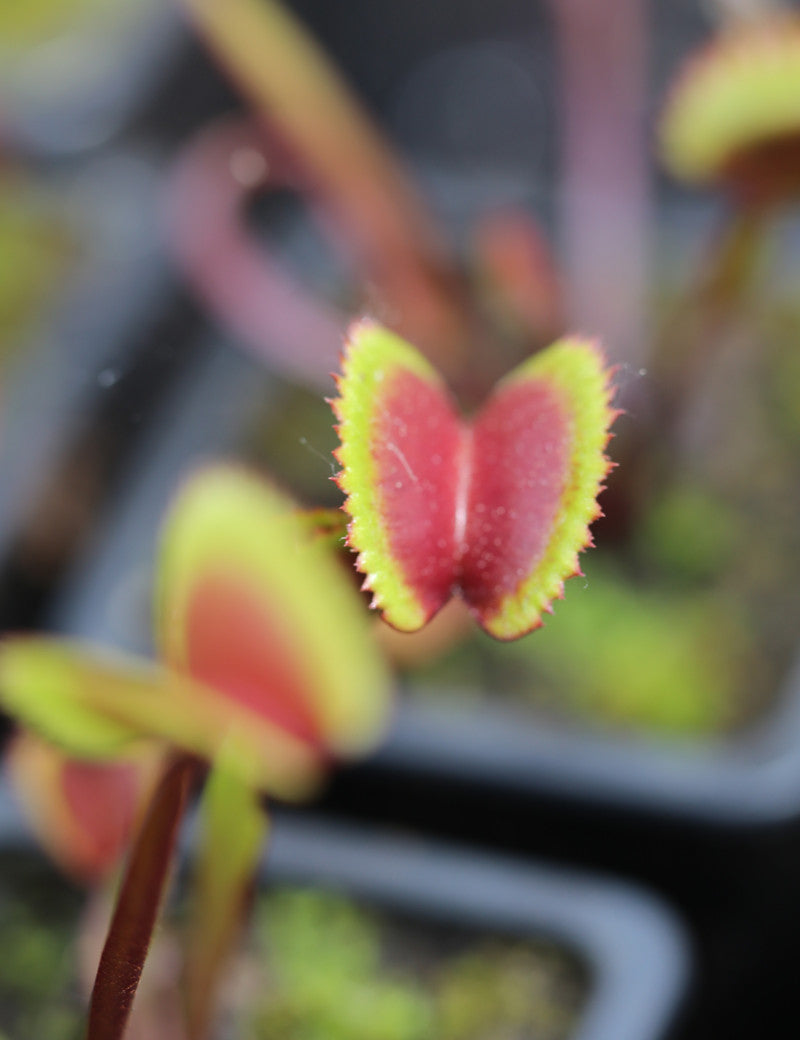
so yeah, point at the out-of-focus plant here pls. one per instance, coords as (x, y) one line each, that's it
(473, 319)
(336, 988)
(607, 658)
(731, 123)
(350, 988)
(343, 167)
(604, 192)
(267, 674)
(733, 116)
(83, 813)
(250, 290)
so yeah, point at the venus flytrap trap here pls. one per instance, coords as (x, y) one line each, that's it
(494, 508)
(733, 115)
(731, 122)
(471, 323)
(267, 675)
(83, 813)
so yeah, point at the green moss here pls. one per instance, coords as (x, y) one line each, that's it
(619, 654)
(38, 918)
(505, 992)
(324, 976)
(690, 535)
(644, 658)
(332, 971)
(320, 968)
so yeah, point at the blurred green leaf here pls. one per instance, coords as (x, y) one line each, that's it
(233, 828)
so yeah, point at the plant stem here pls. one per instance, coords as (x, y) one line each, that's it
(363, 193)
(138, 903)
(233, 830)
(699, 328)
(271, 312)
(606, 193)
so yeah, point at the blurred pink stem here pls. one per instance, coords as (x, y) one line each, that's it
(138, 903)
(251, 292)
(348, 169)
(605, 203)
(515, 262)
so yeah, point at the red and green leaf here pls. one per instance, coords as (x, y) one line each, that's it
(734, 108)
(251, 606)
(538, 467)
(401, 447)
(494, 509)
(95, 705)
(83, 813)
(45, 684)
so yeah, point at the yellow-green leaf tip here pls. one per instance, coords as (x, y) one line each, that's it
(739, 93)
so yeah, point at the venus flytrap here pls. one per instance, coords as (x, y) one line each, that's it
(733, 114)
(494, 508)
(266, 674)
(731, 122)
(269, 312)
